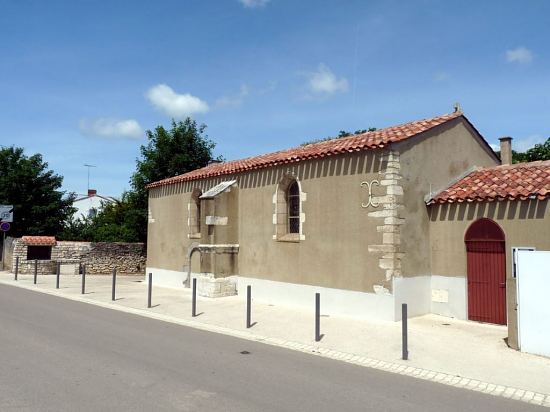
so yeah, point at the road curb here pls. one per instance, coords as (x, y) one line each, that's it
(535, 398)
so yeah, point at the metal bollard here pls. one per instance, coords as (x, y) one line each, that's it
(194, 299)
(317, 317)
(248, 306)
(404, 331)
(114, 285)
(35, 270)
(83, 279)
(57, 273)
(150, 290)
(16, 267)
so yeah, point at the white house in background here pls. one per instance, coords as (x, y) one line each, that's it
(88, 205)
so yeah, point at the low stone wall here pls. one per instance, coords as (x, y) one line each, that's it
(127, 258)
(99, 258)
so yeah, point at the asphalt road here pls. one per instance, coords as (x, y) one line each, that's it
(61, 355)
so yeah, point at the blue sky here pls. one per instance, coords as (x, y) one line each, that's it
(81, 80)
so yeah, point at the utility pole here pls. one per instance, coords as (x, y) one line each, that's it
(88, 166)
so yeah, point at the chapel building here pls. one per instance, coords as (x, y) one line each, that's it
(423, 213)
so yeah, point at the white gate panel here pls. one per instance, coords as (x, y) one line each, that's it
(533, 285)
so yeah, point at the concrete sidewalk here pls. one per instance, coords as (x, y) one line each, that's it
(457, 353)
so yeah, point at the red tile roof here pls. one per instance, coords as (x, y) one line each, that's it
(365, 141)
(520, 181)
(39, 240)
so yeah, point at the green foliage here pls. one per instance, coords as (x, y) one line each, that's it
(341, 134)
(115, 222)
(181, 149)
(168, 153)
(40, 207)
(540, 151)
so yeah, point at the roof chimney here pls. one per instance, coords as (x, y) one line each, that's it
(506, 150)
(92, 192)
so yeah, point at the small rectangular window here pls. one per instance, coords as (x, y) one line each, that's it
(39, 252)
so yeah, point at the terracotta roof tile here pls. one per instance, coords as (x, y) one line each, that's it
(39, 240)
(365, 141)
(520, 181)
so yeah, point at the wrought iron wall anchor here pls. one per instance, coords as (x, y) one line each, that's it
(370, 202)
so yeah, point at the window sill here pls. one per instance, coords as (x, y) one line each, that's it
(195, 236)
(289, 237)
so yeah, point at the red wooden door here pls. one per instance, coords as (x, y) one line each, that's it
(486, 272)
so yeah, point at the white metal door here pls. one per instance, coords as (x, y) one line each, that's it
(533, 286)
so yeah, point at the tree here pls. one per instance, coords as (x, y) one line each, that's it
(40, 207)
(181, 149)
(540, 151)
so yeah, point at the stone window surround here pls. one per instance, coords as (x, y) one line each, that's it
(280, 220)
(193, 214)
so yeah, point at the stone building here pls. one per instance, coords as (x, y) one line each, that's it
(370, 221)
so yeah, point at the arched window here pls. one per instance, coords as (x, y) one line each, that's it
(194, 219)
(289, 216)
(293, 212)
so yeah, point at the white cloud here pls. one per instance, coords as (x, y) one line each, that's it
(495, 147)
(111, 128)
(519, 55)
(254, 3)
(324, 82)
(235, 100)
(176, 105)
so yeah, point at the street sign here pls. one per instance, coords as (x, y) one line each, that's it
(6, 213)
(4, 226)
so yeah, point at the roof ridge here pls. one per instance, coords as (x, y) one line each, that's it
(355, 135)
(534, 163)
(519, 181)
(357, 142)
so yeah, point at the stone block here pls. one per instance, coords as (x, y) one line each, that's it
(391, 238)
(394, 221)
(381, 248)
(384, 199)
(383, 213)
(388, 229)
(394, 190)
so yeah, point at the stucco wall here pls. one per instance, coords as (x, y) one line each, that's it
(429, 163)
(336, 230)
(525, 223)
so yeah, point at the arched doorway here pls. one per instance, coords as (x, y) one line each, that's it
(486, 257)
